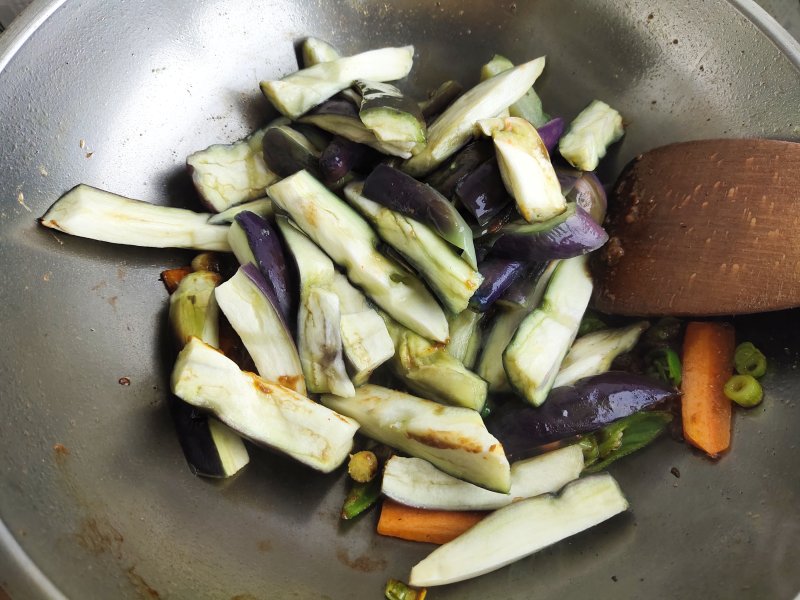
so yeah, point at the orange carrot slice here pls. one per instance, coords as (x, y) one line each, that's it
(422, 525)
(707, 364)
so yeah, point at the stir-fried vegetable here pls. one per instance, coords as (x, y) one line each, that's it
(744, 390)
(589, 135)
(425, 525)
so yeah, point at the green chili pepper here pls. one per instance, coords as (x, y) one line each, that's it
(744, 390)
(666, 331)
(360, 498)
(626, 436)
(591, 452)
(397, 590)
(665, 364)
(749, 360)
(591, 322)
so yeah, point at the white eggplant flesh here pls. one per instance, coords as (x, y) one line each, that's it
(366, 342)
(259, 324)
(89, 212)
(262, 207)
(319, 343)
(193, 310)
(349, 240)
(416, 482)
(264, 412)
(533, 357)
(525, 167)
(228, 174)
(455, 126)
(232, 452)
(464, 336)
(451, 277)
(295, 94)
(521, 529)
(590, 134)
(593, 353)
(452, 438)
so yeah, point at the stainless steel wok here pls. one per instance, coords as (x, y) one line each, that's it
(95, 498)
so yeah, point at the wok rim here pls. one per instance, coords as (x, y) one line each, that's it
(24, 575)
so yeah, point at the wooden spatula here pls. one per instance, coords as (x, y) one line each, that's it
(708, 227)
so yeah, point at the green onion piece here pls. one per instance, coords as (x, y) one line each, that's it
(626, 436)
(665, 331)
(744, 390)
(590, 323)
(361, 497)
(749, 360)
(665, 364)
(591, 451)
(397, 590)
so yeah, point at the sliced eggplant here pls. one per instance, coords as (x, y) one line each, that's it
(590, 134)
(447, 177)
(349, 240)
(89, 212)
(465, 336)
(193, 310)
(262, 411)
(528, 292)
(533, 357)
(529, 107)
(551, 133)
(452, 438)
(319, 339)
(401, 193)
(261, 207)
(295, 94)
(390, 115)
(572, 233)
(315, 51)
(366, 342)
(498, 274)
(416, 482)
(320, 343)
(340, 157)
(521, 529)
(254, 241)
(454, 128)
(525, 168)
(586, 406)
(593, 353)
(211, 448)
(450, 277)
(440, 99)
(585, 189)
(340, 117)
(482, 192)
(429, 369)
(229, 174)
(249, 304)
(287, 151)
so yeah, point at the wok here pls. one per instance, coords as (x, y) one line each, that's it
(95, 498)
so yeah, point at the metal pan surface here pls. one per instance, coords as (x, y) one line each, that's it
(95, 498)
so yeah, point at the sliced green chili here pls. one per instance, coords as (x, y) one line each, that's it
(744, 390)
(665, 364)
(360, 498)
(749, 360)
(397, 590)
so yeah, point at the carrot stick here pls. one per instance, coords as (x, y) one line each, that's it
(707, 365)
(421, 525)
(172, 277)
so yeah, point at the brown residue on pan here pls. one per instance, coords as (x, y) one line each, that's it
(144, 589)
(363, 563)
(61, 452)
(98, 536)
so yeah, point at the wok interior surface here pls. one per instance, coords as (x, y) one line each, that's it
(93, 484)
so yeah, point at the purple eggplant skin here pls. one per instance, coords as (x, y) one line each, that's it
(585, 189)
(340, 157)
(447, 177)
(521, 290)
(402, 193)
(498, 275)
(195, 438)
(441, 98)
(551, 132)
(266, 247)
(482, 192)
(570, 234)
(588, 405)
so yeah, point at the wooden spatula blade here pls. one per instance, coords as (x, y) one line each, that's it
(707, 227)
